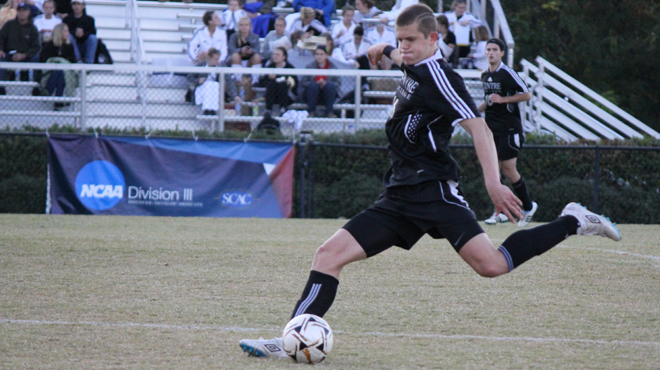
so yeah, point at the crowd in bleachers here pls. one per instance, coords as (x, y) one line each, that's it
(38, 31)
(312, 37)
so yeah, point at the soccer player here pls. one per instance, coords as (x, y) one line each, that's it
(504, 89)
(422, 194)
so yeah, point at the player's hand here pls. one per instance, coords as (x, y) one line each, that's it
(375, 53)
(505, 201)
(495, 98)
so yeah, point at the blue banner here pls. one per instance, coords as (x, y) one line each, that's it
(168, 177)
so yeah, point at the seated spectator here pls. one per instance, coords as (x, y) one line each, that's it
(280, 89)
(83, 29)
(342, 32)
(229, 17)
(461, 24)
(365, 10)
(322, 9)
(46, 22)
(206, 37)
(478, 58)
(398, 7)
(358, 47)
(19, 42)
(446, 40)
(380, 34)
(334, 53)
(208, 89)
(320, 88)
(244, 46)
(277, 37)
(59, 49)
(308, 24)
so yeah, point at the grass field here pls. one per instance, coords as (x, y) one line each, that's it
(89, 292)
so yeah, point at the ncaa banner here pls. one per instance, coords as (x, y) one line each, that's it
(168, 177)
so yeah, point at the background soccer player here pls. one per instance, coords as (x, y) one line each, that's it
(422, 194)
(504, 89)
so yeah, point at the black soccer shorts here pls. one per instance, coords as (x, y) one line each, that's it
(508, 145)
(405, 213)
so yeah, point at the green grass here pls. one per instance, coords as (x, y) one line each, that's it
(89, 292)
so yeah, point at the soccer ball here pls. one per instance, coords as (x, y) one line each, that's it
(307, 339)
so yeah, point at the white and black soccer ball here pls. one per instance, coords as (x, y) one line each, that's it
(307, 339)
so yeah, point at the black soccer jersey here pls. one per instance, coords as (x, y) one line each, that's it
(503, 118)
(430, 100)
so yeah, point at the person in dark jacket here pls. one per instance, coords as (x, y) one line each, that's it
(83, 31)
(280, 89)
(321, 88)
(19, 42)
(59, 49)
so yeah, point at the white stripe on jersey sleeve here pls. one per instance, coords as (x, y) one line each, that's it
(448, 91)
(517, 78)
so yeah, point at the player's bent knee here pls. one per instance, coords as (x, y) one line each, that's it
(489, 270)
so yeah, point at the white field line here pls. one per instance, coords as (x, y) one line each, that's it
(375, 334)
(623, 253)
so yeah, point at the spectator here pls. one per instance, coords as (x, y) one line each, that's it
(461, 23)
(206, 37)
(208, 90)
(230, 17)
(244, 46)
(365, 10)
(398, 7)
(83, 29)
(380, 34)
(59, 49)
(277, 37)
(357, 47)
(307, 23)
(9, 11)
(46, 22)
(478, 59)
(63, 8)
(335, 54)
(321, 88)
(19, 41)
(342, 32)
(446, 40)
(322, 9)
(280, 89)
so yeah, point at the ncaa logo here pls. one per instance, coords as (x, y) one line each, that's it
(100, 185)
(237, 198)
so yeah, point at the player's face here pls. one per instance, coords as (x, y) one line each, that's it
(494, 54)
(413, 46)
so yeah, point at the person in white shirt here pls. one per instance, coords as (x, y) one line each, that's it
(365, 10)
(380, 34)
(398, 7)
(229, 17)
(46, 22)
(342, 32)
(358, 47)
(461, 24)
(308, 24)
(207, 37)
(479, 56)
(207, 93)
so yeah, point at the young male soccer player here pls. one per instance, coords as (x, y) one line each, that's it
(504, 89)
(422, 194)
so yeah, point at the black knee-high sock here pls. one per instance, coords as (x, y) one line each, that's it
(523, 245)
(318, 295)
(521, 191)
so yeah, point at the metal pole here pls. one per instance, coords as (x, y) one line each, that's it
(484, 8)
(310, 184)
(303, 163)
(83, 96)
(539, 96)
(358, 98)
(221, 106)
(596, 175)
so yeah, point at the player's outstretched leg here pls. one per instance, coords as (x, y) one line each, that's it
(591, 223)
(320, 290)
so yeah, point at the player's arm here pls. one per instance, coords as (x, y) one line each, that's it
(517, 98)
(503, 199)
(482, 107)
(375, 53)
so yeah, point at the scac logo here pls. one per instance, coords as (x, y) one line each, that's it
(100, 185)
(237, 198)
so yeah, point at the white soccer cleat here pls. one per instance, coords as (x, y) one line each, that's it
(527, 215)
(496, 218)
(591, 223)
(271, 348)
